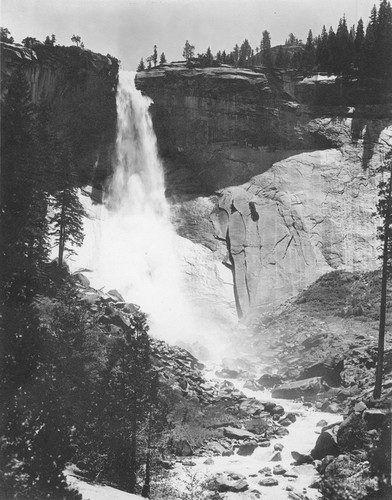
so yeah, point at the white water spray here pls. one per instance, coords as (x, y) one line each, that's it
(130, 243)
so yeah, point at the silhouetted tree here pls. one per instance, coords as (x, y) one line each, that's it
(309, 55)
(245, 52)
(141, 65)
(359, 43)
(189, 51)
(291, 40)
(5, 35)
(76, 39)
(235, 54)
(384, 209)
(155, 56)
(265, 49)
(29, 42)
(162, 59)
(68, 212)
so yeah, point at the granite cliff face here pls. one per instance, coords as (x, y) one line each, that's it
(78, 88)
(287, 164)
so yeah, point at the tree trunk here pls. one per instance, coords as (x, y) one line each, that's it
(383, 303)
(62, 233)
(147, 480)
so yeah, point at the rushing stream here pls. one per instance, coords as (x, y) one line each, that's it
(131, 246)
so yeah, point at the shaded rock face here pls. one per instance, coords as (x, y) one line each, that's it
(78, 88)
(288, 163)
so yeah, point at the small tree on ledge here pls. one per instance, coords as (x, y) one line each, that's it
(76, 39)
(189, 51)
(141, 66)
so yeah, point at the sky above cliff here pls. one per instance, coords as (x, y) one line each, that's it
(128, 29)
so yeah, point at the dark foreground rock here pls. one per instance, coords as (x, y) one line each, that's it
(307, 388)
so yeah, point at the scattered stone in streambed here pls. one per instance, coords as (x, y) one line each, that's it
(278, 446)
(225, 482)
(281, 431)
(321, 423)
(278, 470)
(209, 461)
(276, 457)
(268, 481)
(277, 410)
(267, 471)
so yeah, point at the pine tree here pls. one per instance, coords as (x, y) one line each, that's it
(322, 51)
(5, 35)
(209, 57)
(68, 212)
(155, 56)
(309, 55)
(245, 52)
(141, 65)
(384, 209)
(162, 59)
(383, 40)
(359, 43)
(235, 55)
(189, 51)
(265, 49)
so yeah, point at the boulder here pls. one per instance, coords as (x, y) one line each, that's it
(227, 373)
(216, 448)
(276, 457)
(116, 295)
(278, 470)
(252, 385)
(247, 448)
(277, 410)
(301, 458)
(267, 471)
(326, 444)
(268, 481)
(329, 369)
(245, 495)
(222, 483)
(307, 388)
(233, 433)
(81, 279)
(374, 417)
(269, 381)
(182, 448)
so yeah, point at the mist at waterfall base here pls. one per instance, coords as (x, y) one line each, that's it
(130, 244)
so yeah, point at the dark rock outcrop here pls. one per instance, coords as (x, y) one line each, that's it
(78, 88)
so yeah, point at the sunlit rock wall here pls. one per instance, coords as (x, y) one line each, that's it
(287, 164)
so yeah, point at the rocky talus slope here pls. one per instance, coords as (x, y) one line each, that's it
(287, 165)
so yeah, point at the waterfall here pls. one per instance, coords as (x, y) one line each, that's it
(130, 244)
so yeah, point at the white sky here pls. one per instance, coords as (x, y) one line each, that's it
(128, 29)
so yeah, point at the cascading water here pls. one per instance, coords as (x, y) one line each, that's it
(130, 244)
